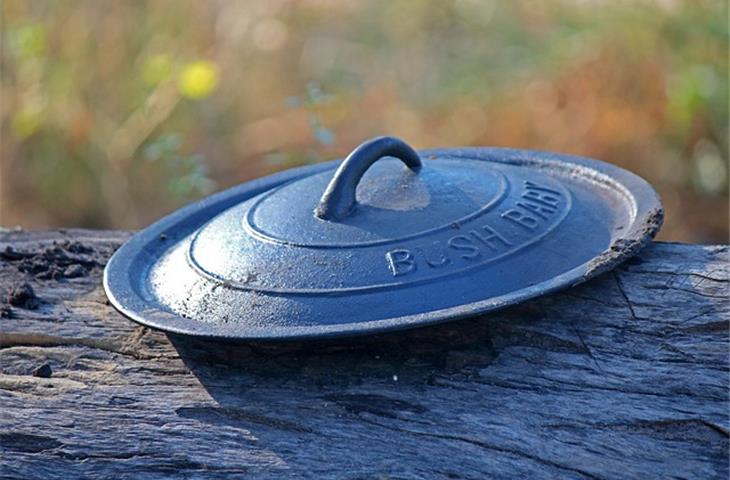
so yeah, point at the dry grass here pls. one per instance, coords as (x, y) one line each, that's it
(114, 113)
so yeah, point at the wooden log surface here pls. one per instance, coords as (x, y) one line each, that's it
(625, 376)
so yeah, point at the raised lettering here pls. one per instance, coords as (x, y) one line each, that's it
(489, 237)
(521, 219)
(541, 197)
(464, 244)
(534, 186)
(400, 262)
(442, 258)
(541, 211)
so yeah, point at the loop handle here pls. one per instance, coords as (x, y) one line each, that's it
(338, 199)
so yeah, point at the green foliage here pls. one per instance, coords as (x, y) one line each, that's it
(26, 40)
(311, 101)
(188, 173)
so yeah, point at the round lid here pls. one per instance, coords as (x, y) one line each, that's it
(387, 239)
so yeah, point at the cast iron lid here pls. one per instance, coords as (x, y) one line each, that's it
(387, 239)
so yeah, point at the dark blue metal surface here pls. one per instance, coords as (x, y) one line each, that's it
(453, 233)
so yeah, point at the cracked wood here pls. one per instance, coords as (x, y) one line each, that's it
(622, 377)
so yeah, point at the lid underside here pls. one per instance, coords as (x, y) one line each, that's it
(470, 231)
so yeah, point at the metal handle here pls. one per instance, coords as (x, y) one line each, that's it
(338, 199)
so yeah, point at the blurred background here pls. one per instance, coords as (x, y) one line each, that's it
(115, 113)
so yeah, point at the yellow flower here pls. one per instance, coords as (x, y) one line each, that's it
(198, 79)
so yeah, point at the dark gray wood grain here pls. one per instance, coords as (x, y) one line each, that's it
(623, 377)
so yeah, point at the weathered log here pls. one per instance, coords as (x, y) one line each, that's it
(625, 376)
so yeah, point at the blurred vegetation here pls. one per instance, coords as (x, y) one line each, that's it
(117, 112)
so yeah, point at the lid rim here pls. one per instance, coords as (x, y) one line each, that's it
(124, 296)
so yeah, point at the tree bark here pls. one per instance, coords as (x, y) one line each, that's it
(625, 376)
